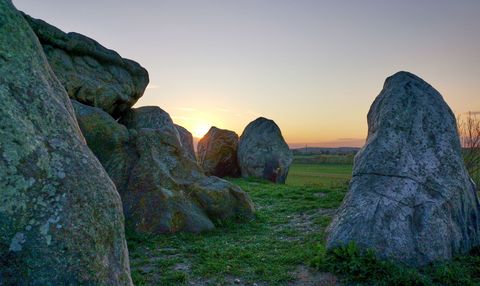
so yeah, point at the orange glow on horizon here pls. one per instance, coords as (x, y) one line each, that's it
(200, 129)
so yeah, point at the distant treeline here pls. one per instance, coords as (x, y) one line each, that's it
(325, 151)
(324, 159)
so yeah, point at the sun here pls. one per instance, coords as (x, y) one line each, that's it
(200, 130)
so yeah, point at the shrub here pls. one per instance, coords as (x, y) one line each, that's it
(363, 267)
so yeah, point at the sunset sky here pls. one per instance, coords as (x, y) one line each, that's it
(312, 66)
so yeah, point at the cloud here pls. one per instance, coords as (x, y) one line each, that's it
(349, 139)
(223, 109)
(189, 109)
(152, 86)
(186, 118)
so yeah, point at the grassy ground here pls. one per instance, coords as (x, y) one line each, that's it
(273, 249)
(322, 174)
(277, 247)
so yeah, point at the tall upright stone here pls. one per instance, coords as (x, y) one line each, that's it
(410, 198)
(91, 73)
(217, 153)
(262, 151)
(61, 219)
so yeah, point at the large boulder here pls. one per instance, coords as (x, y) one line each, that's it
(61, 219)
(91, 73)
(410, 197)
(111, 142)
(186, 139)
(162, 189)
(217, 153)
(262, 151)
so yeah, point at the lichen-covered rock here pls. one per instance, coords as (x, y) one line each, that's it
(186, 139)
(410, 197)
(152, 117)
(262, 151)
(158, 199)
(217, 153)
(171, 178)
(61, 219)
(163, 189)
(91, 73)
(111, 142)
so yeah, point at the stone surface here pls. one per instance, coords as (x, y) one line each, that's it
(111, 142)
(162, 189)
(186, 139)
(91, 73)
(61, 218)
(262, 151)
(217, 153)
(410, 197)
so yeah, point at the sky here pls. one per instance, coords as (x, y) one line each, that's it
(312, 66)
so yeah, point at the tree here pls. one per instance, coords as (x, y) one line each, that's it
(469, 131)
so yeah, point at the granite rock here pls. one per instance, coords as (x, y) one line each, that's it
(410, 198)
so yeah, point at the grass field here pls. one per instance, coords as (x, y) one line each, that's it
(326, 174)
(279, 245)
(273, 249)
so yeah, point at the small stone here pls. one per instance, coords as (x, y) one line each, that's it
(236, 281)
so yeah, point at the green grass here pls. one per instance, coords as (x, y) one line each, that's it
(363, 268)
(319, 174)
(286, 232)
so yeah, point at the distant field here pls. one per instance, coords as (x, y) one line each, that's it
(346, 159)
(307, 174)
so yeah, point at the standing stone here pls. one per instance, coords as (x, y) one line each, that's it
(410, 197)
(262, 151)
(162, 189)
(217, 153)
(61, 218)
(91, 73)
(186, 139)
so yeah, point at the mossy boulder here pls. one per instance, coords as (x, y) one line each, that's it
(165, 190)
(410, 198)
(61, 219)
(91, 73)
(217, 153)
(262, 151)
(111, 142)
